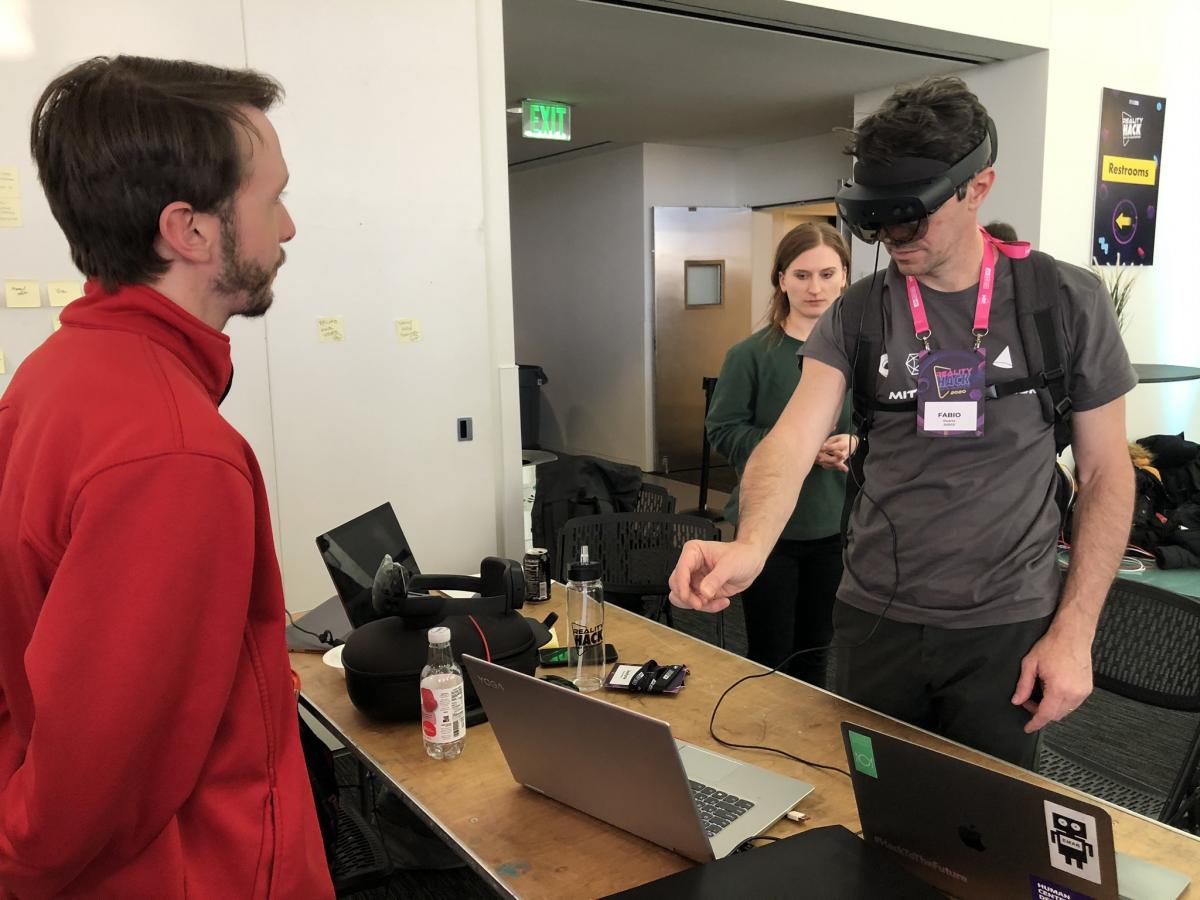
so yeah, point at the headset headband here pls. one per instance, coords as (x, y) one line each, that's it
(501, 584)
(909, 188)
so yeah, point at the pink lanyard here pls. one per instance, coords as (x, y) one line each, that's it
(983, 302)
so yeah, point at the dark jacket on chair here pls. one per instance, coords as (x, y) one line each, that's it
(573, 486)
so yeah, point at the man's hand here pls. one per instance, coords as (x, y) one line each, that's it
(1062, 661)
(836, 450)
(709, 573)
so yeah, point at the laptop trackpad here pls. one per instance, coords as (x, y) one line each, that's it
(705, 767)
(1138, 879)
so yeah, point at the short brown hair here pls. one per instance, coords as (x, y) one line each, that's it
(118, 139)
(799, 240)
(940, 118)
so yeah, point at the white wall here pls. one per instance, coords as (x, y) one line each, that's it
(393, 195)
(805, 169)
(1165, 316)
(1018, 21)
(1014, 93)
(398, 215)
(578, 238)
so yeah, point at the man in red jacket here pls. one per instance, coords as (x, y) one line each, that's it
(148, 732)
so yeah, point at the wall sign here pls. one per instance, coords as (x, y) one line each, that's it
(545, 120)
(1130, 160)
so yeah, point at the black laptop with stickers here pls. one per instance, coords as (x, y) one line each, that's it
(973, 832)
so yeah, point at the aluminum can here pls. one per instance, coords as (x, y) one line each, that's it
(536, 565)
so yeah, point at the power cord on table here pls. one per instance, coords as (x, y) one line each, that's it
(882, 614)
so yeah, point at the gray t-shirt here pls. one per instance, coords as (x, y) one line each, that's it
(975, 518)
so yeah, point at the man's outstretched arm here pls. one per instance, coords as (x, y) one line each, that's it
(710, 572)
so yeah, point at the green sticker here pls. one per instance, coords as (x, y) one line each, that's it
(864, 754)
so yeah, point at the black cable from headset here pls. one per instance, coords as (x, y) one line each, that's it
(882, 613)
(325, 637)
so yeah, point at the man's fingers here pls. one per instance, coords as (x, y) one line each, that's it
(1051, 709)
(687, 573)
(707, 575)
(716, 585)
(1025, 682)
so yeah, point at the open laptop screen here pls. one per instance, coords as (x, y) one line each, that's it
(353, 552)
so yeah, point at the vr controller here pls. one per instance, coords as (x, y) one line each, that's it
(907, 191)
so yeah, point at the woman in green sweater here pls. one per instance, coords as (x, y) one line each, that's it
(790, 604)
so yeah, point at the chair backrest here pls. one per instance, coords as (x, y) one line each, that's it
(1147, 646)
(1136, 740)
(637, 551)
(653, 498)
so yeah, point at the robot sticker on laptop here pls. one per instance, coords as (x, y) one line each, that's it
(1072, 840)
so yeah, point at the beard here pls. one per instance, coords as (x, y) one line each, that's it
(243, 277)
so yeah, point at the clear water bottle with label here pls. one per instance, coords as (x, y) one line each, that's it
(585, 611)
(443, 706)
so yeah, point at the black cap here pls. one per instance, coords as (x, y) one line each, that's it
(583, 571)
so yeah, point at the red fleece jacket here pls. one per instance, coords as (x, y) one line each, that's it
(148, 736)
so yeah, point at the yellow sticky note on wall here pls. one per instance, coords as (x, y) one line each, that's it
(10, 186)
(331, 329)
(63, 292)
(408, 331)
(10, 212)
(22, 294)
(3, 370)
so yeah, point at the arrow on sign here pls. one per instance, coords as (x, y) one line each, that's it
(1123, 221)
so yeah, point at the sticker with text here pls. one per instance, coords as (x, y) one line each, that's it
(1072, 839)
(1041, 889)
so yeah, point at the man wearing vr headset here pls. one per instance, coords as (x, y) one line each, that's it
(952, 613)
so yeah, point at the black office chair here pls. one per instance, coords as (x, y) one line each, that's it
(637, 552)
(654, 499)
(1136, 741)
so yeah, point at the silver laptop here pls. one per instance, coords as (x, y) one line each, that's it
(973, 832)
(625, 768)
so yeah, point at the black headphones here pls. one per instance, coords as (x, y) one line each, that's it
(500, 584)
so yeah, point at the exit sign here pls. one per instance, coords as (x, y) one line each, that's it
(545, 120)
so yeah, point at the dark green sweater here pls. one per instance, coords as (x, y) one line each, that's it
(756, 382)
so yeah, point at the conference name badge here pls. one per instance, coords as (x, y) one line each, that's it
(950, 391)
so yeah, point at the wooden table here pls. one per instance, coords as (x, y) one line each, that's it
(526, 845)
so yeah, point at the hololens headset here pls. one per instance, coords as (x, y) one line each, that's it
(902, 195)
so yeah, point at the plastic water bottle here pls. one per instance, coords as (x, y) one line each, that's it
(585, 611)
(443, 706)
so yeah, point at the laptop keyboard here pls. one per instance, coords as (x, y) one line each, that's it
(717, 808)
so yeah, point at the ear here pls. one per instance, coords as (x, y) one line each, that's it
(979, 188)
(187, 235)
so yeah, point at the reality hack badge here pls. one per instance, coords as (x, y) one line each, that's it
(950, 392)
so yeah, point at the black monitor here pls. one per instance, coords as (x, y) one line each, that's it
(353, 552)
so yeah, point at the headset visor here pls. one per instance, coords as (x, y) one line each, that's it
(895, 201)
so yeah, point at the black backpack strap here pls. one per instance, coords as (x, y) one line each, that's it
(1040, 321)
(862, 337)
(863, 305)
